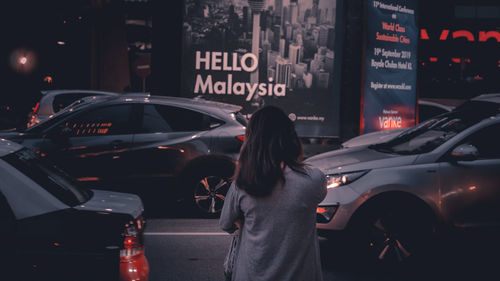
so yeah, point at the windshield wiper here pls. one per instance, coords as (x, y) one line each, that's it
(381, 147)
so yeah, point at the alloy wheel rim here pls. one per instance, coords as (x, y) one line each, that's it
(387, 243)
(210, 193)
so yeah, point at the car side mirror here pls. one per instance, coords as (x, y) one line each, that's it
(465, 152)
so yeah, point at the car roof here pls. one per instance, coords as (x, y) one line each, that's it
(446, 104)
(494, 98)
(87, 100)
(7, 147)
(435, 104)
(77, 91)
(200, 104)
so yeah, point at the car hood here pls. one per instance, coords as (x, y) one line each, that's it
(12, 136)
(357, 158)
(7, 147)
(113, 202)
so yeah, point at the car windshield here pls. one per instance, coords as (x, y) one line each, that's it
(76, 105)
(49, 176)
(432, 133)
(37, 128)
(81, 101)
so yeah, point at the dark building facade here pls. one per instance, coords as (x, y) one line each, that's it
(95, 44)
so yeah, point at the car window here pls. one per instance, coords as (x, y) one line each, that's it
(63, 100)
(109, 120)
(426, 112)
(487, 142)
(163, 118)
(49, 177)
(153, 120)
(54, 119)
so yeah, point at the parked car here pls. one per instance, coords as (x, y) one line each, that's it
(426, 110)
(391, 197)
(55, 229)
(53, 101)
(147, 145)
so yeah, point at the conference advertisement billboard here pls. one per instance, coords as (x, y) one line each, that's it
(390, 66)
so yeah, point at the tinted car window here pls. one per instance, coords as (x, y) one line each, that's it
(426, 111)
(110, 120)
(153, 120)
(48, 176)
(53, 119)
(487, 142)
(61, 101)
(162, 118)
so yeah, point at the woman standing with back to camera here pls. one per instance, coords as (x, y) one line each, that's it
(273, 200)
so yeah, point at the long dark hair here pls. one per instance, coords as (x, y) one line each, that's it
(270, 139)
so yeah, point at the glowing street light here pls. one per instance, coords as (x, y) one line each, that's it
(23, 60)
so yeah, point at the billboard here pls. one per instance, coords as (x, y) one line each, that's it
(390, 66)
(264, 52)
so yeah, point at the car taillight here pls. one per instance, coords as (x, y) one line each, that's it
(241, 138)
(133, 245)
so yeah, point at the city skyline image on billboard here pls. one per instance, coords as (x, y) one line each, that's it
(254, 53)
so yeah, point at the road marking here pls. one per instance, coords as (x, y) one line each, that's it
(185, 233)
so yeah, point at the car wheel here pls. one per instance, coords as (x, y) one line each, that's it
(205, 182)
(210, 192)
(393, 236)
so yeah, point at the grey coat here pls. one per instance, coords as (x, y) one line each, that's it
(278, 236)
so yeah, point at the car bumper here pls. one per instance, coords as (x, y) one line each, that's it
(344, 201)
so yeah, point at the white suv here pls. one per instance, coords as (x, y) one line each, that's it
(391, 197)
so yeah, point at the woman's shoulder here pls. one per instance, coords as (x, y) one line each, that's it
(312, 181)
(314, 172)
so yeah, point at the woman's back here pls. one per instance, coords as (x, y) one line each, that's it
(274, 198)
(278, 236)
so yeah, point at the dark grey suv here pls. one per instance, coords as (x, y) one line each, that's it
(160, 148)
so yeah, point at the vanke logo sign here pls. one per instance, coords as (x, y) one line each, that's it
(480, 36)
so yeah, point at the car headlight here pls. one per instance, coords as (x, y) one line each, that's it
(336, 180)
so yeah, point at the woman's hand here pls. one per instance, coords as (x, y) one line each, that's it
(238, 223)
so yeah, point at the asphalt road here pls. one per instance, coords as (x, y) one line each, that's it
(194, 249)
